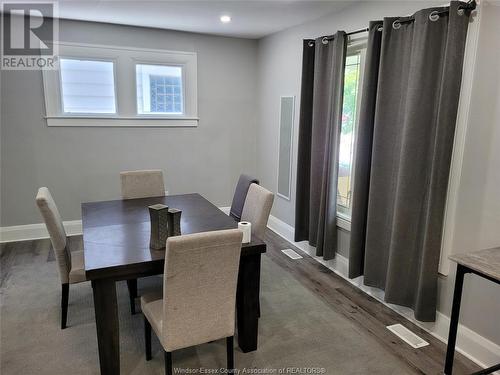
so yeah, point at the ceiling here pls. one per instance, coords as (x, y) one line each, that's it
(250, 18)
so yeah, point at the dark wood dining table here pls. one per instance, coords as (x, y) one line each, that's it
(116, 247)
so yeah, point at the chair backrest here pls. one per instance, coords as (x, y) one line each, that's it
(199, 287)
(142, 184)
(240, 194)
(55, 227)
(257, 208)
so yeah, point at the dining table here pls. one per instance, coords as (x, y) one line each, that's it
(116, 241)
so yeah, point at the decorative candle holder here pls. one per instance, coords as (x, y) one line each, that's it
(174, 222)
(159, 226)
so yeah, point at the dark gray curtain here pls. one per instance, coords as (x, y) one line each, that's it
(406, 130)
(319, 136)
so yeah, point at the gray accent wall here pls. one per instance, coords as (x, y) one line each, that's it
(82, 164)
(239, 87)
(478, 216)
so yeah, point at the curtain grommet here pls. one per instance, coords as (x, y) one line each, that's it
(434, 16)
(396, 25)
(311, 43)
(380, 28)
(324, 40)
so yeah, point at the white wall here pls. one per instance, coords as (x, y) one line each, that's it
(477, 221)
(478, 216)
(82, 164)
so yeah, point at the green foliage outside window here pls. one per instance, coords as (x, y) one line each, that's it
(350, 93)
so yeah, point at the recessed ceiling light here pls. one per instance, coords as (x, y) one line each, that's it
(225, 18)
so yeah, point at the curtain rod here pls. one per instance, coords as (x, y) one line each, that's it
(366, 29)
(469, 5)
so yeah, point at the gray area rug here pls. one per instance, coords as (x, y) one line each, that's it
(296, 330)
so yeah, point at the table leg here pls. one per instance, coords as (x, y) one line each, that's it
(247, 302)
(106, 318)
(455, 313)
(132, 293)
(489, 370)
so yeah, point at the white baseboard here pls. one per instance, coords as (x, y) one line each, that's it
(225, 210)
(36, 231)
(469, 343)
(474, 346)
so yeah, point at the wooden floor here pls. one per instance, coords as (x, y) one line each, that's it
(364, 310)
(367, 313)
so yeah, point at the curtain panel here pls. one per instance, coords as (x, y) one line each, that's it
(405, 140)
(322, 90)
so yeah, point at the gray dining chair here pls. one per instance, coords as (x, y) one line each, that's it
(199, 294)
(240, 194)
(257, 208)
(70, 264)
(142, 184)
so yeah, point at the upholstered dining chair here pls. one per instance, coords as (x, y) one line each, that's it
(240, 194)
(199, 294)
(257, 208)
(142, 184)
(70, 264)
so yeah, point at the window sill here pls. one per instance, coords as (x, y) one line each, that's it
(109, 121)
(344, 222)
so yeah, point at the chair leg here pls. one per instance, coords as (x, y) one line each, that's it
(64, 305)
(230, 354)
(147, 338)
(132, 292)
(168, 363)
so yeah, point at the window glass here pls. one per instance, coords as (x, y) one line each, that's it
(349, 120)
(159, 89)
(87, 86)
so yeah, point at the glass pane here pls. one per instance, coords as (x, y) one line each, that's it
(346, 151)
(87, 86)
(159, 89)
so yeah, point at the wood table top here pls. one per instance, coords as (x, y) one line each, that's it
(116, 233)
(486, 261)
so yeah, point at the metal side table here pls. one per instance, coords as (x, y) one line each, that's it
(486, 264)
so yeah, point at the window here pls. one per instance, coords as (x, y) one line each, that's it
(352, 86)
(159, 89)
(87, 86)
(121, 86)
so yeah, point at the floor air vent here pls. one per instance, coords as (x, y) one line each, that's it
(407, 336)
(291, 254)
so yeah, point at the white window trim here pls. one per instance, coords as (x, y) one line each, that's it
(457, 159)
(125, 60)
(343, 222)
